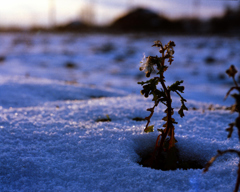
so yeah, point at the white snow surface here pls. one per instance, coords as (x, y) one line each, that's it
(50, 139)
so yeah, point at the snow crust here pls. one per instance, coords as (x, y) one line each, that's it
(50, 139)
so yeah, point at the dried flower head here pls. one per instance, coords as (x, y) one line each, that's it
(147, 65)
(231, 71)
(157, 44)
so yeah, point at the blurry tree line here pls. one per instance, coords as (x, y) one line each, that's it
(145, 20)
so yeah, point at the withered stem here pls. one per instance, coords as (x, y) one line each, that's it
(169, 111)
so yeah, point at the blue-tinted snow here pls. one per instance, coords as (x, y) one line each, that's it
(49, 137)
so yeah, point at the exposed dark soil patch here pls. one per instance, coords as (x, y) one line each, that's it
(96, 97)
(138, 119)
(106, 48)
(103, 120)
(107, 119)
(210, 60)
(70, 65)
(2, 59)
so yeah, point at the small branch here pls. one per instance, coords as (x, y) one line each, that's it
(156, 145)
(179, 95)
(235, 82)
(230, 90)
(238, 127)
(238, 179)
(151, 114)
(229, 151)
(219, 154)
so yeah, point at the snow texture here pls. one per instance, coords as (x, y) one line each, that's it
(50, 136)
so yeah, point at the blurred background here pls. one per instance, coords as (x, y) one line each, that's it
(193, 16)
(52, 46)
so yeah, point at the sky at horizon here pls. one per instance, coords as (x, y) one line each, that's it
(27, 13)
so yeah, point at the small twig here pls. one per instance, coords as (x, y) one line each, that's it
(219, 154)
(230, 90)
(151, 114)
(238, 179)
(234, 80)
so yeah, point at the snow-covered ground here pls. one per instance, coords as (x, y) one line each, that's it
(54, 88)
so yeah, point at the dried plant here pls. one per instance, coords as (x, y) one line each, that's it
(165, 144)
(235, 108)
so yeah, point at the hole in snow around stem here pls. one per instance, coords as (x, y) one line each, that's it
(170, 160)
(176, 158)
